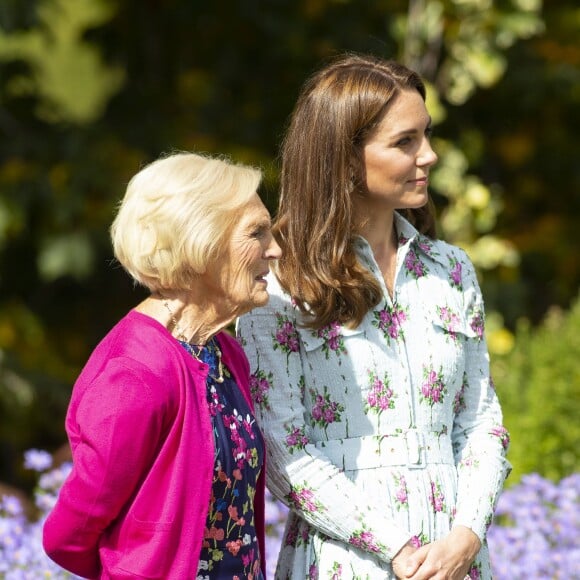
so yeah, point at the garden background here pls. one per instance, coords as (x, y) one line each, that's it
(90, 90)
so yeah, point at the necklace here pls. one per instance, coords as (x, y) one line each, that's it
(191, 348)
(211, 348)
(180, 332)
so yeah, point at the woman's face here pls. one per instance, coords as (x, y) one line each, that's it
(237, 278)
(398, 156)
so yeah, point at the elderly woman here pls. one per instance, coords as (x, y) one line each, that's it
(167, 478)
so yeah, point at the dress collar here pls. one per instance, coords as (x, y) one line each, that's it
(409, 239)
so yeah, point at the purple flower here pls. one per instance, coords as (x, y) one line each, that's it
(502, 433)
(450, 321)
(474, 572)
(414, 265)
(535, 531)
(420, 540)
(433, 390)
(329, 413)
(436, 497)
(365, 540)
(477, 323)
(286, 337)
(21, 553)
(37, 460)
(381, 396)
(455, 277)
(296, 439)
(292, 535)
(324, 411)
(333, 340)
(276, 514)
(425, 245)
(260, 384)
(401, 495)
(390, 321)
(11, 506)
(302, 498)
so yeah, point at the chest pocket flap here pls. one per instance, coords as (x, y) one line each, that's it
(315, 339)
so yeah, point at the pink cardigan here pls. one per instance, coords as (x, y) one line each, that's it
(136, 501)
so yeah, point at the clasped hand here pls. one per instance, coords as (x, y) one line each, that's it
(445, 559)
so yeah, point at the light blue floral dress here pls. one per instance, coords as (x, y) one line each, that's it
(385, 433)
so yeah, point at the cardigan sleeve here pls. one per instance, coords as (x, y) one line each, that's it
(480, 440)
(115, 425)
(299, 474)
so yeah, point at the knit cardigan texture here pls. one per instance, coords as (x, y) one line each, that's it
(136, 501)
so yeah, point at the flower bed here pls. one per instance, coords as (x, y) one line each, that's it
(536, 532)
(534, 535)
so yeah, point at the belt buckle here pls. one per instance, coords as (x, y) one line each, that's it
(415, 443)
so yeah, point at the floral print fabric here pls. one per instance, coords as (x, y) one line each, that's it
(230, 547)
(385, 433)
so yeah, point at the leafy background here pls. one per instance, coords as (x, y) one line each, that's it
(90, 90)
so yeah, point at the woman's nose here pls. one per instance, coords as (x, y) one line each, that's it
(427, 156)
(274, 251)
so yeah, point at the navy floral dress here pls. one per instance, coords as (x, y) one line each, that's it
(230, 546)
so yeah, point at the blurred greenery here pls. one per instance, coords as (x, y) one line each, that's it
(539, 385)
(90, 90)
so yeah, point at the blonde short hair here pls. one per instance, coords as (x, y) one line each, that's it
(175, 215)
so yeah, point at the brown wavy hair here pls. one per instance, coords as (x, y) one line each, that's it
(338, 109)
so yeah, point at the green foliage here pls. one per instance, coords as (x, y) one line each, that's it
(471, 211)
(460, 46)
(538, 383)
(90, 90)
(66, 71)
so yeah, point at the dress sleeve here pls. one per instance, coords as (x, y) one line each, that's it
(117, 423)
(299, 474)
(480, 441)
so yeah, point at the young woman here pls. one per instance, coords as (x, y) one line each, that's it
(369, 366)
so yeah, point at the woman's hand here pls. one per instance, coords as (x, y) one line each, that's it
(403, 565)
(445, 559)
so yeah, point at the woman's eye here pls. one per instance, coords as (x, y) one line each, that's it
(259, 233)
(404, 141)
(429, 132)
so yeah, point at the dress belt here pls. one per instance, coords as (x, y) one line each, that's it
(410, 448)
